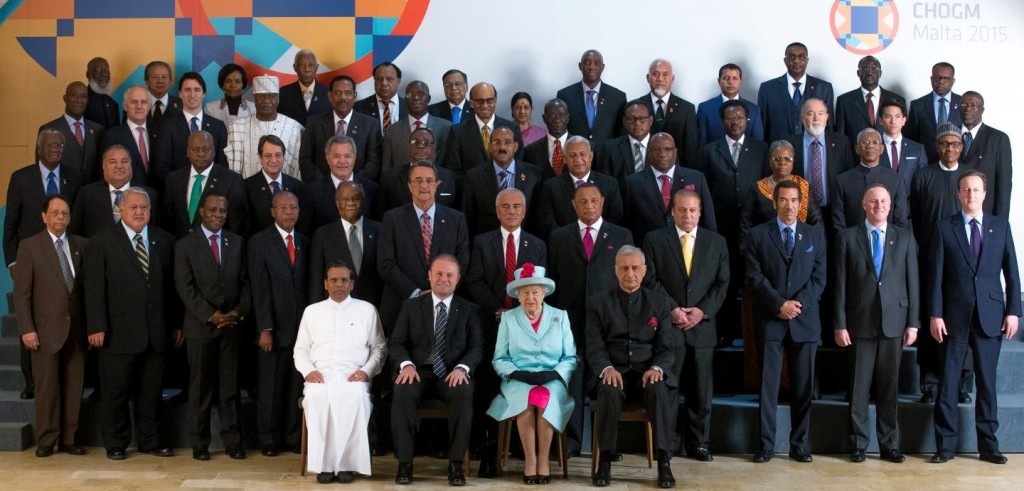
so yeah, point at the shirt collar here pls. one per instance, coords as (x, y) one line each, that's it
(111, 188)
(730, 141)
(480, 123)
(967, 218)
(430, 211)
(883, 228)
(680, 232)
(515, 234)
(875, 94)
(284, 234)
(447, 302)
(188, 117)
(888, 139)
(803, 82)
(511, 168)
(596, 226)
(633, 141)
(46, 172)
(585, 178)
(595, 88)
(348, 225)
(270, 179)
(783, 225)
(207, 232)
(53, 238)
(71, 121)
(206, 173)
(131, 234)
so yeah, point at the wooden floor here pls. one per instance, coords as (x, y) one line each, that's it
(24, 471)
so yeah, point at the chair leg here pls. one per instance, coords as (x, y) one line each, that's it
(650, 445)
(305, 454)
(561, 456)
(465, 463)
(595, 449)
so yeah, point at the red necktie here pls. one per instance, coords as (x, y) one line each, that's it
(666, 190)
(78, 133)
(419, 124)
(557, 159)
(291, 248)
(510, 266)
(588, 242)
(871, 110)
(215, 247)
(142, 148)
(428, 234)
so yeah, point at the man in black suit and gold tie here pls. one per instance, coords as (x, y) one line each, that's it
(435, 347)
(877, 310)
(81, 136)
(469, 140)
(51, 320)
(631, 346)
(691, 265)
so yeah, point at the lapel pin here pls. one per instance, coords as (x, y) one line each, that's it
(315, 98)
(799, 236)
(442, 220)
(604, 235)
(522, 177)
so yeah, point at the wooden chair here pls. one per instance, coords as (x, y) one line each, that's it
(304, 457)
(631, 413)
(505, 440)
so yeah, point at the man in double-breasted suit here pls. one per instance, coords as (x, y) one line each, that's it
(171, 145)
(971, 253)
(261, 187)
(595, 107)
(582, 262)
(211, 276)
(186, 185)
(466, 140)
(81, 155)
(51, 322)
(697, 286)
(435, 347)
(278, 260)
(877, 310)
(351, 239)
(342, 121)
(483, 182)
(306, 96)
(395, 151)
(780, 98)
(131, 310)
(555, 205)
(860, 108)
(786, 264)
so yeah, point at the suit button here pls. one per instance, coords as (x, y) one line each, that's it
(879, 283)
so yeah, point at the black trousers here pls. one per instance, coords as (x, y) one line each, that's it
(135, 377)
(277, 410)
(696, 381)
(658, 398)
(801, 379)
(213, 365)
(405, 424)
(876, 361)
(986, 358)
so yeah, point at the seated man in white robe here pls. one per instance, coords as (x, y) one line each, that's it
(339, 348)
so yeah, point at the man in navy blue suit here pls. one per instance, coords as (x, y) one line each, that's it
(595, 107)
(934, 108)
(709, 122)
(970, 252)
(780, 98)
(903, 155)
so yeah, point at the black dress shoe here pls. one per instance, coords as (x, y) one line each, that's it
(159, 451)
(575, 453)
(993, 457)
(269, 451)
(800, 454)
(116, 454)
(763, 456)
(28, 393)
(201, 453)
(455, 475)
(857, 455)
(44, 451)
(71, 449)
(487, 468)
(404, 474)
(941, 457)
(344, 477)
(325, 477)
(603, 476)
(235, 452)
(928, 397)
(612, 456)
(964, 397)
(701, 454)
(665, 477)
(894, 456)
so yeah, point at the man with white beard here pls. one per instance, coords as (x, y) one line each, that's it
(101, 108)
(820, 155)
(339, 348)
(672, 114)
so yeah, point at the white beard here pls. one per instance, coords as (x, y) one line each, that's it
(659, 92)
(97, 88)
(816, 131)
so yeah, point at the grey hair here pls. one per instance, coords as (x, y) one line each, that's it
(136, 190)
(341, 140)
(628, 250)
(503, 192)
(578, 139)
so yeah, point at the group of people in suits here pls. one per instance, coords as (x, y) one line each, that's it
(389, 188)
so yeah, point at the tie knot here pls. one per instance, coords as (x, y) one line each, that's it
(288, 237)
(788, 231)
(797, 84)
(59, 242)
(663, 178)
(591, 93)
(661, 102)
(199, 178)
(425, 216)
(138, 238)
(51, 176)
(588, 229)
(875, 232)
(579, 182)
(870, 95)
(385, 103)
(637, 146)
(974, 222)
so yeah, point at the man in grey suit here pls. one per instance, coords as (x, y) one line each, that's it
(81, 136)
(877, 305)
(396, 139)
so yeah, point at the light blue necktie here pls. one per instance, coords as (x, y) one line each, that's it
(456, 114)
(943, 115)
(51, 184)
(504, 180)
(876, 251)
(591, 107)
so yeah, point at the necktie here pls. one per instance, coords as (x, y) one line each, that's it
(428, 234)
(797, 96)
(735, 153)
(341, 128)
(142, 254)
(579, 182)
(504, 180)
(788, 232)
(968, 140)
(817, 186)
(158, 109)
(557, 159)
(485, 135)
(638, 157)
(975, 240)
(876, 251)
(588, 242)
(307, 96)
(78, 133)
(591, 107)
(355, 248)
(118, 195)
(666, 190)
(440, 335)
(456, 114)
(215, 248)
(142, 147)
(290, 245)
(659, 114)
(275, 187)
(65, 267)
(195, 197)
(419, 124)
(387, 115)
(688, 251)
(943, 115)
(51, 184)
(871, 110)
(894, 156)
(510, 265)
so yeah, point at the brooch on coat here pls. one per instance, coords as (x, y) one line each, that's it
(653, 323)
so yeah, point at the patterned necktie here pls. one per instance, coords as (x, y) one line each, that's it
(51, 184)
(943, 114)
(142, 147)
(968, 140)
(504, 180)
(275, 187)
(456, 114)
(440, 340)
(588, 242)
(591, 107)
(797, 96)
(659, 114)
(579, 182)
(894, 156)
(215, 247)
(688, 251)
(816, 172)
(290, 245)
(118, 196)
(510, 266)
(871, 110)
(485, 135)
(735, 153)
(142, 254)
(307, 96)
(355, 248)
(65, 266)
(386, 120)
(790, 244)
(428, 234)
(666, 190)
(638, 157)
(557, 158)
(975, 240)
(194, 127)
(79, 136)
(876, 251)
(195, 197)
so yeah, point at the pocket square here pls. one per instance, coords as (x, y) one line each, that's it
(690, 187)
(911, 158)
(810, 248)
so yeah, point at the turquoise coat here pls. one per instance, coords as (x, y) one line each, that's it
(519, 348)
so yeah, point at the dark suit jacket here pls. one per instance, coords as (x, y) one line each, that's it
(122, 135)
(578, 279)
(777, 278)
(680, 122)
(133, 310)
(178, 188)
(85, 159)
(40, 298)
(25, 198)
(958, 288)
(990, 153)
(852, 112)
(645, 208)
(615, 158)
(413, 336)
(536, 153)
(171, 151)
(731, 183)
(318, 207)
(610, 104)
(838, 158)
(709, 122)
(394, 190)
(320, 128)
(443, 110)
(482, 189)
(848, 194)
(395, 151)
(781, 119)
(912, 157)
(93, 209)
(921, 123)
(613, 341)
(867, 305)
(259, 199)
(155, 123)
(205, 286)
(330, 244)
(293, 105)
(554, 207)
(704, 288)
(466, 146)
(485, 279)
(368, 106)
(278, 287)
(103, 110)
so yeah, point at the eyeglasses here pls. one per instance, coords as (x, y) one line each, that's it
(953, 145)
(50, 146)
(870, 70)
(489, 101)
(421, 143)
(452, 85)
(779, 160)
(416, 95)
(636, 119)
(420, 180)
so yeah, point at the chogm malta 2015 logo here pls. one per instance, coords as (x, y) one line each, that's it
(864, 27)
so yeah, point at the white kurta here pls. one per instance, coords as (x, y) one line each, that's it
(337, 339)
(244, 138)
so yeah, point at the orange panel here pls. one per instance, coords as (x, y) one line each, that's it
(45, 9)
(379, 8)
(228, 8)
